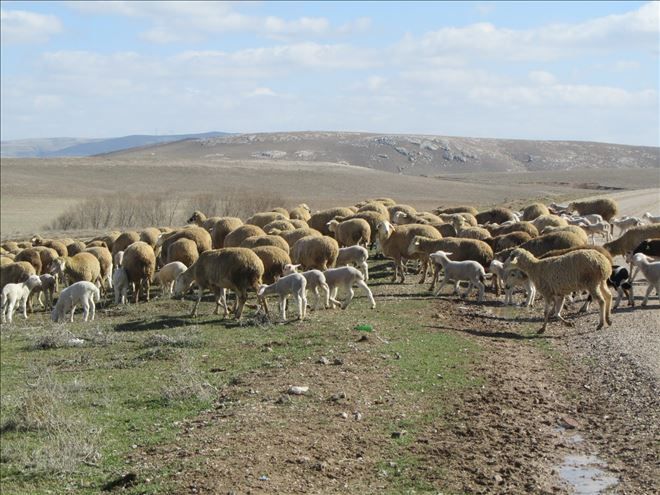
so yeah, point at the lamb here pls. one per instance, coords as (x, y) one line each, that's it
(140, 264)
(602, 228)
(557, 208)
(274, 260)
(346, 277)
(651, 271)
(117, 259)
(120, 284)
(495, 215)
(315, 281)
(294, 285)
(354, 255)
(605, 207)
(198, 218)
(49, 287)
(315, 252)
(166, 276)
(320, 219)
(350, 232)
(651, 218)
(632, 238)
(457, 271)
(624, 223)
(558, 276)
(237, 269)
(394, 243)
(16, 272)
(496, 267)
(534, 210)
(266, 240)
(237, 236)
(262, 219)
(292, 236)
(83, 293)
(14, 294)
(81, 267)
(221, 228)
(516, 278)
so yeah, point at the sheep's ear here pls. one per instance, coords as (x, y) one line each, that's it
(416, 243)
(261, 290)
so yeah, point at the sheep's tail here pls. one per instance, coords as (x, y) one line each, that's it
(3, 300)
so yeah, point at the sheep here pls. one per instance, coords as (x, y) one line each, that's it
(651, 271)
(83, 293)
(16, 272)
(140, 264)
(298, 224)
(468, 218)
(457, 209)
(266, 240)
(602, 228)
(264, 218)
(198, 218)
(166, 276)
(97, 243)
(56, 245)
(81, 267)
(300, 212)
(620, 280)
(320, 219)
(279, 225)
(315, 281)
(315, 252)
(150, 235)
(534, 210)
(495, 215)
(237, 269)
(651, 218)
(31, 255)
(373, 218)
(543, 221)
(403, 218)
(292, 236)
(49, 287)
(120, 284)
(10, 246)
(346, 277)
(394, 244)
(350, 232)
(124, 240)
(445, 229)
(544, 243)
(75, 248)
(558, 276)
(624, 223)
(496, 267)
(505, 241)
(221, 228)
(463, 249)
(578, 231)
(117, 259)
(376, 207)
(105, 264)
(513, 278)
(237, 236)
(462, 230)
(294, 285)
(14, 294)
(182, 250)
(198, 235)
(357, 255)
(407, 209)
(274, 260)
(631, 239)
(457, 271)
(557, 208)
(605, 207)
(6, 259)
(527, 227)
(109, 239)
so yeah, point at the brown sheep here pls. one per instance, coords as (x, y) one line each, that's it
(320, 219)
(198, 218)
(150, 235)
(236, 237)
(300, 212)
(56, 245)
(351, 232)
(279, 225)
(298, 223)
(75, 247)
(105, 263)
(6, 259)
(183, 250)
(140, 264)
(221, 228)
(605, 207)
(495, 215)
(292, 236)
(543, 221)
(282, 211)
(265, 240)
(445, 229)
(124, 240)
(578, 231)
(314, 252)
(457, 209)
(81, 267)
(373, 218)
(632, 238)
(31, 255)
(407, 209)
(274, 260)
(524, 226)
(47, 256)
(379, 208)
(15, 273)
(237, 269)
(463, 230)
(264, 218)
(533, 211)
(10, 246)
(506, 241)
(544, 243)
(198, 235)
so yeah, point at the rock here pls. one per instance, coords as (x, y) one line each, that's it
(323, 360)
(357, 415)
(363, 338)
(297, 390)
(569, 423)
(337, 397)
(343, 415)
(338, 361)
(283, 399)
(399, 434)
(498, 478)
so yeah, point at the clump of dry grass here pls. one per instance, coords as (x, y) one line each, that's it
(240, 203)
(187, 382)
(56, 337)
(185, 339)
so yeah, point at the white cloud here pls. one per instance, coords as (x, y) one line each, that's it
(542, 77)
(261, 92)
(20, 26)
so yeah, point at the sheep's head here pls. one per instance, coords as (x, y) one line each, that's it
(385, 228)
(260, 291)
(181, 285)
(414, 246)
(332, 225)
(33, 281)
(196, 217)
(57, 266)
(289, 269)
(513, 277)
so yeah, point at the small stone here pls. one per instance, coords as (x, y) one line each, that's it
(399, 434)
(134, 446)
(297, 390)
(324, 360)
(337, 397)
(264, 478)
(569, 423)
(343, 415)
(440, 376)
(357, 415)
(498, 479)
(363, 338)
(338, 361)
(283, 399)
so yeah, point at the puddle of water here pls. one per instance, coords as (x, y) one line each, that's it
(584, 474)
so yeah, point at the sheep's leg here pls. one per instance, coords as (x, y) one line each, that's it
(73, 310)
(434, 276)
(333, 297)
(147, 283)
(85, 306)
(282, 305)
(317, 298)
(596, 293)
(10, 311)
(649, 289)
(496, 284)
(531, 294)
(619, 295)
(402, 271)
(241, 298)
(423, 271)
(607, 295)
(365, 270)
(218, 302)
(326, 291)
(349, 296)
(558, 306)
(508, 296)
(303, 304)
(93, 306)
(585, 306)
(445, 281)
(547, 310)
(370, 295)
(200, 292)
(482, 290)
(24, 301)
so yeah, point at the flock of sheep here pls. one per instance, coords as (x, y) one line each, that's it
(546, 250)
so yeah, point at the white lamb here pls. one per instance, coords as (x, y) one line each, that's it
(119, 258)
(458, 271)
(589, 219)
(290, 285)
(346, 277)
(14, 294)
(496, 267)
(651, 271)
(516, 278)
(652, 218)
(167, 275)
(120, 285)
(624, 223)
(315, 281)
(603, 228)
(83, 293)
(354, 255)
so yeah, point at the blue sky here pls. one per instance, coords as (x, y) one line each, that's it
(538, 70)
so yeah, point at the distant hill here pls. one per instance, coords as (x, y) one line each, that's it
(405, 154)
(60, 147)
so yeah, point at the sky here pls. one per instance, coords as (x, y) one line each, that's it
(586, 71)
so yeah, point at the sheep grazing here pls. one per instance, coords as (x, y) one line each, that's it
(198, 218)
(290, 285)
(117, 259)
(266, 240)
(282, 211)
(274, 260)
(198, 235)
(605, 207)
(632, 238)
(513, 278)
(559, 276)
(166, 276)
(345, 277)
(578, 231)
(182, 250)
(458, 271)
(300, 212)
(236, 237)
(651, 271)
(292, 236)
(651, 218)
(237, 269)
(394, 243)
(625, 223)
(376, 207)
(16, 272)
(350, 232)
(527, 227)
(84, 293)
(533, 211)
(373, 218)
(315, 281)
(49, 287)
(124, 240)
(262, 219)
(105, 264)
(15, 294)
(507, 241)
(140, 264)
(81, 267)
(495, 215)
(56, 245)
(279, 225)
(31, 256)
(120, 285)
(315, 252)
(221, 228)
(354, 255)
(320, 219)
